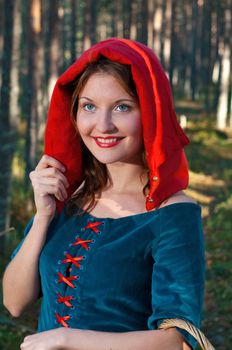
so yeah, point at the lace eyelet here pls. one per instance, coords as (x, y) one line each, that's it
(73, 307)
(59, 262)
(93, 240)
(84, 257)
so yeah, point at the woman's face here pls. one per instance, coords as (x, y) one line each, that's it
(108, 120)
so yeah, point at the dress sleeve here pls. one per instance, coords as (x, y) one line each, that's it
(179, 268)
(26, 230)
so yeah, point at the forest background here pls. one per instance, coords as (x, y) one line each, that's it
(39, 39)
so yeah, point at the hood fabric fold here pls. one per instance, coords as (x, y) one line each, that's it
(163, 137)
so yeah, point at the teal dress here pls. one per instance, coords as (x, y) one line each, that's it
(124, 274)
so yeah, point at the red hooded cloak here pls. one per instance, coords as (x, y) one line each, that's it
(163, 137)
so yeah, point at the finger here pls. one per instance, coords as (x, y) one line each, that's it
(49, 161)
(54, 182)
(52, 172)
(43, 190)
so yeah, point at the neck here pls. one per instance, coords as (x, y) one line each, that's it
(127, 177)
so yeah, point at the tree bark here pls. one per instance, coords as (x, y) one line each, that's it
(52, 47)
(34, 81)
(14, 105)
(1, 34)
(117, 19)
(89, 24)
(173, 43)
(144, 22)
(7, 133)
(206, 52)
(73, 30)
(224, 90)
(162, 33)
(127, 16)
(133, 28)
(194, 49)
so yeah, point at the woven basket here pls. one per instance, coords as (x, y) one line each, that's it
(194, 331)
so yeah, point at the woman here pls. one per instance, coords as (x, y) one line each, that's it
(115, 246)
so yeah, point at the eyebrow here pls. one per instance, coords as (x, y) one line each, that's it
(122, 99)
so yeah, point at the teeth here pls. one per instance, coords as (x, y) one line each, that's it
(107, 140)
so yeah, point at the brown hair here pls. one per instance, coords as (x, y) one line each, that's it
(95, 173)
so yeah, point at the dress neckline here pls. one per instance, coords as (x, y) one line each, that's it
(146, 213)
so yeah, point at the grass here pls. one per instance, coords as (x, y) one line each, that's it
(210, 161)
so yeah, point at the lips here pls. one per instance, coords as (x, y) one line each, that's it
(108, 141)
(108, 137)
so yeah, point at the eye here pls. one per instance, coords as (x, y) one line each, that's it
(88, 107)
(124, 108)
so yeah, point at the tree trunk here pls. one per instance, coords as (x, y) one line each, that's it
(167, 37)
(14, 105)
(127, 16)
(144, 22)
(117, 19)
(34, 58)
(162, 33)
(73, 30)
(150, 25)
(194, 48)
(133, 28)
(206, 52)
(173, 43)
(1, 34)
(7, 133)
(224, 90)
(218, 59)
(52, 48)
(89, 24)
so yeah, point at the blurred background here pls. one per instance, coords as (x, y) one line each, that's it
(39, 39)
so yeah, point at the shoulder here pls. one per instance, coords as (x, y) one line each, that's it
(178, 197)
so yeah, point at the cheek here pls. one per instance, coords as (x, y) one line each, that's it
(83, 125)
(133, 125)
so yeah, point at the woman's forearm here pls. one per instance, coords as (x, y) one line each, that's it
(21, 283)
(76, 339)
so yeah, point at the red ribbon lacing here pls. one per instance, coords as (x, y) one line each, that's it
(62, 320)
(65, 300)
(82, 242)
(74, 261)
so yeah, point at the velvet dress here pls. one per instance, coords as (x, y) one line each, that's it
(123, 274)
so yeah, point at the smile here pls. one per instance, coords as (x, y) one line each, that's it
(107, 142)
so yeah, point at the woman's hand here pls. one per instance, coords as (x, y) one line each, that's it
(50, 340)
(48, 182)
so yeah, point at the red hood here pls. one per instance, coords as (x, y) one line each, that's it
(164, 139)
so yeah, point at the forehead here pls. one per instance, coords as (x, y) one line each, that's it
(103, 83)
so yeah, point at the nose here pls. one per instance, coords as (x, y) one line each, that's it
(104, 122)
